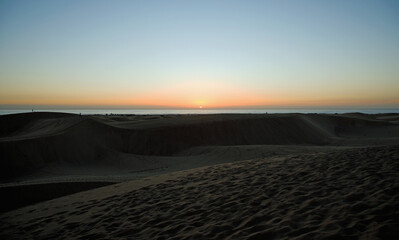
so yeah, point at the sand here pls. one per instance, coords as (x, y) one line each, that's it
(237, 176)
(30, 143)
(347, 194)
(17, 196)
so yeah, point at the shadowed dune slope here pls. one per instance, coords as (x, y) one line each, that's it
(12, 123)
(81, 144)
(20, 196)
(353, 126)
(349, 194)
(34, 140)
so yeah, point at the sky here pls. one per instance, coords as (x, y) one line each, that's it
(186, 54)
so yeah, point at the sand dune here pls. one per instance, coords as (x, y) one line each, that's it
(223, 176)
(18, 196)
(37, 140)
(345, 194)
(12, 123)
(74, 178)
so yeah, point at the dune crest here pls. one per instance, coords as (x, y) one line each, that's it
(51, 138)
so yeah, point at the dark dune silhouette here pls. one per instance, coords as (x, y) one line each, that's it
(255, 176)
(38, 139)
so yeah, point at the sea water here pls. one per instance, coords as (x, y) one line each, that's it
(207, 111)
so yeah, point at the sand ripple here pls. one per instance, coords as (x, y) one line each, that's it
(347, 194)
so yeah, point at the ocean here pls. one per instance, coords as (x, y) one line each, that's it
(207, 111)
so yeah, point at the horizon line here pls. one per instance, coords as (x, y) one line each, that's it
(157, 107)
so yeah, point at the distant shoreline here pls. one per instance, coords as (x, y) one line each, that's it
(206, 111)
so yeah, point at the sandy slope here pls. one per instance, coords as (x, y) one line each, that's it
(12, 123)
(32, 143)
(289, 176)
(345, 194)
(124, 167)
(14, 197)
(57, 179)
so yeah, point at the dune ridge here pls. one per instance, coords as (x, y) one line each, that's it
(223, 176)
(85, 140)
(68, 138)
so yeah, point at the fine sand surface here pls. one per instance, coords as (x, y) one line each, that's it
(13, 197)
(47, 144)
(345, 194)
(260, 176)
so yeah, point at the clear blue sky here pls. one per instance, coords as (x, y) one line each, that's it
(189, 53)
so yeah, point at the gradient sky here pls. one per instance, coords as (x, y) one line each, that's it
(191, 53)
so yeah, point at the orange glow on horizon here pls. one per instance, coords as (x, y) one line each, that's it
(194, 95)
(228, 100)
